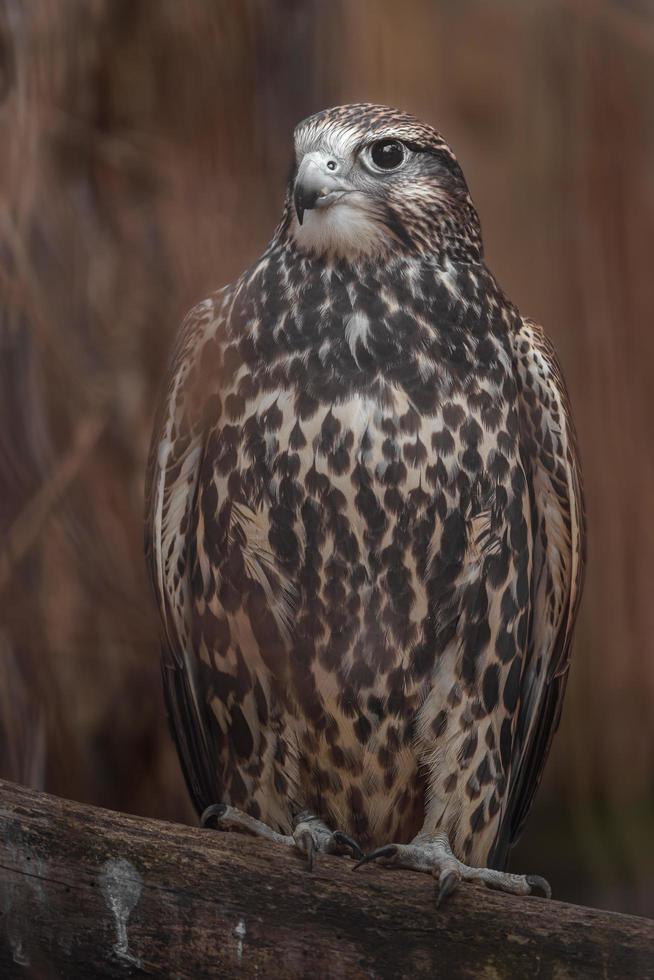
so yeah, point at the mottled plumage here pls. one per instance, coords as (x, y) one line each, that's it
(365, 521)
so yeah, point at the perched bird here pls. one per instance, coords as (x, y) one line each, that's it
(365, 524)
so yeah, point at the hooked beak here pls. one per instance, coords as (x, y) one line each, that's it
(318, 183)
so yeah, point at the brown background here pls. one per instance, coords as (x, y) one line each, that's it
(144, 147)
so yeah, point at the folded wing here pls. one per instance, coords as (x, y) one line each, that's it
(550, 459)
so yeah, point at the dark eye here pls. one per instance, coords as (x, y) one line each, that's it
(387, 154)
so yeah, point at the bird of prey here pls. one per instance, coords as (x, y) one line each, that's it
(365, 523)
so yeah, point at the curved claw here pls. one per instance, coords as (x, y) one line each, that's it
(539, 886)
(305, 843)
(215, 810)
(344, 840)
(446, 885)
(388, 851)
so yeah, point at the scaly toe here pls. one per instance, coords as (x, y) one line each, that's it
(312, 837)
(228, 817)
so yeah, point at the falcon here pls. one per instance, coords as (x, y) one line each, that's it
(365, 525)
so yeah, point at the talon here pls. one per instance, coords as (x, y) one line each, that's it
(539, 886)
(447, 883)
(346, 841)
(305, 843)
(215, 810)
(390, 850)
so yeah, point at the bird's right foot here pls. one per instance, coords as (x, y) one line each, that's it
(310, 836)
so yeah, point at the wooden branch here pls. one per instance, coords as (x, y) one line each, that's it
(87, 893)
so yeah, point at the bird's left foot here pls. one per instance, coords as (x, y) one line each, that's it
(310, 835)
(434, 856)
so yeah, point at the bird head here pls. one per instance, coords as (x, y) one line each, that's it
(372, 181)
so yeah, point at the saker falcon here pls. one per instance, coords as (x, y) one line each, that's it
(365, 523)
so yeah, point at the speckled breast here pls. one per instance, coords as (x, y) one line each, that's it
(334, 505)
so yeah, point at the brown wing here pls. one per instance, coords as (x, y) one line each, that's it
(550, 459)
(171, 484)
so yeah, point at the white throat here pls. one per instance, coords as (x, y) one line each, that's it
(345, 229)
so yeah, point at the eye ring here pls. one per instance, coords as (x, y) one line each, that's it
(387, 155)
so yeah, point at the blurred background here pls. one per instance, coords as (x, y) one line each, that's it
(144, 149)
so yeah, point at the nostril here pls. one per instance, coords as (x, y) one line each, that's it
(331, 164)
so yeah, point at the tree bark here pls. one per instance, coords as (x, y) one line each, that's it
(89, 893)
